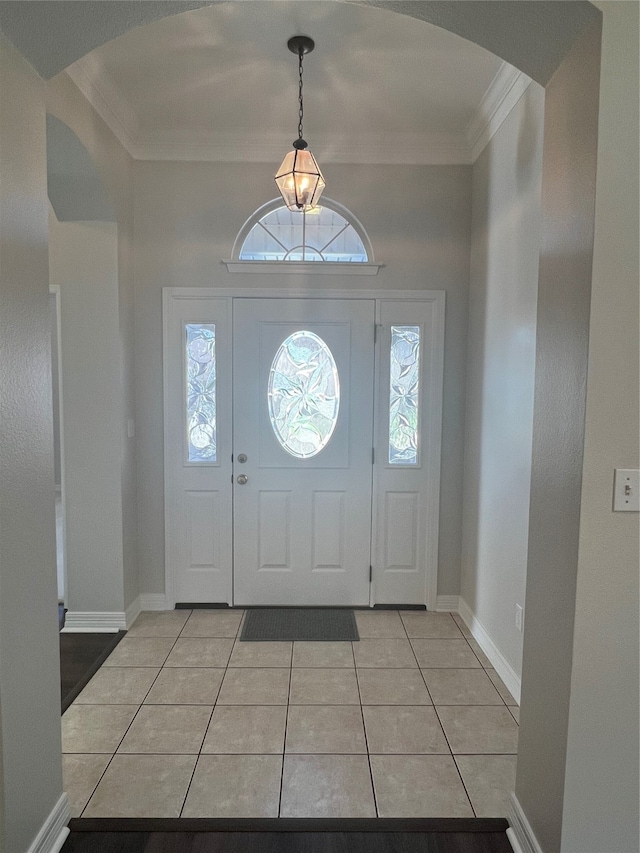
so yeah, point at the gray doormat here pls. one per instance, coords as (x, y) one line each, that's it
(324, 625)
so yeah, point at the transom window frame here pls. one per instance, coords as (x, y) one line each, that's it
(235, 265)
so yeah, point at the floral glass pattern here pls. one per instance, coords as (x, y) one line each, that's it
(403, 395)
(303, 394)
(201, 392)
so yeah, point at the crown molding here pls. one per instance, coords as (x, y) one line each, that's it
(389, 148)
(106, 99)
(503, 93)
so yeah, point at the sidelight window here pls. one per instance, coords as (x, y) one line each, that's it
(404, 386)
(201, 392)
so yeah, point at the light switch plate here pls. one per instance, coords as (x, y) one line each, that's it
(626, 490)
(131, 428)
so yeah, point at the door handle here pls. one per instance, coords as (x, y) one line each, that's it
(241, 479)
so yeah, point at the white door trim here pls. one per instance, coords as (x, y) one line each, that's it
(264, 292)
(435, 343)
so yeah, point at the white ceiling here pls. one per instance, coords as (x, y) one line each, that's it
(218, 83)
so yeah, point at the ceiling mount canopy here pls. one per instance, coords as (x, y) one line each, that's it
(299, 178)
(301, 45)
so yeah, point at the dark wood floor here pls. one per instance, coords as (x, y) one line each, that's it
(287, 842)
(80, 657)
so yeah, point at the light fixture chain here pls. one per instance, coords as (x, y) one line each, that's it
(300, 101)
(299, 178)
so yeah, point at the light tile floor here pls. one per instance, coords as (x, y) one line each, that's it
(184, 720)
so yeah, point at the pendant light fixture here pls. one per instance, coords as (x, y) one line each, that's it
(299, 178)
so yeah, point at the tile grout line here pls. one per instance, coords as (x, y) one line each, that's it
(503, 703)
(208, 726)
(485, 667)
(474, 651)
(455, 763)
(427, 688)
(443, 731)
(366, 739)
(113, 754)
(286, 723)
(424, 680)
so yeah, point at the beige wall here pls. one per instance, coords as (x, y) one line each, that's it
(31, 782)
(187, 216)
(601, 785)
(562, 332)
(83, 262)
(501, 372)
(55, 388)
(115, 168)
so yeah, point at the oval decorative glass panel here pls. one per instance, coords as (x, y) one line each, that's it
(303, 394)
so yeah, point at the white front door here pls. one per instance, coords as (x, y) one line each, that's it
(269, 425)
(302, 461)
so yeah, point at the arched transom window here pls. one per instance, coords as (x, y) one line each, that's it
(327, 233)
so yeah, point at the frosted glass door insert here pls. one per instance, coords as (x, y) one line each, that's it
(404, 400)
(303, 394)
(201, 392)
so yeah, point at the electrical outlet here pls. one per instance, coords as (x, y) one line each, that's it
(131, 428)
(519, 617)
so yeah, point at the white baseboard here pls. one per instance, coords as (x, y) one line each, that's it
(498, 661)
(513, 841)
(53, 831)
(96, 621)
(132, 612)
(153, 601)
(447, 603)
(520, 834)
